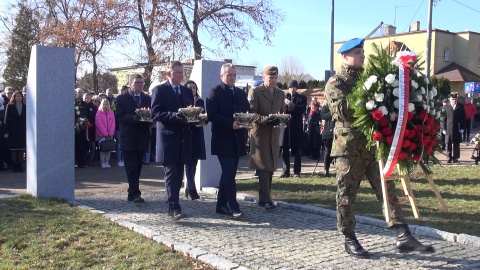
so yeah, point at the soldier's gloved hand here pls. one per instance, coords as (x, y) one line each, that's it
(136, 118)
(461, 130)
(181, 118)
(444, 132)
(272, 121)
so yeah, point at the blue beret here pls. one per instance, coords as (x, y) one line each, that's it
(351, 44)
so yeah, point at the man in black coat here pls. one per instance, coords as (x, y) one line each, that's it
(81, 112)
(175, 134)
(295, 105)
(134, 134)
(453, 126)
(228, 137)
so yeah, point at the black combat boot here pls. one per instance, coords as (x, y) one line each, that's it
(353, 247)
(407, 243)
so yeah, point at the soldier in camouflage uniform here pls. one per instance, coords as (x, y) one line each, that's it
(354, 160)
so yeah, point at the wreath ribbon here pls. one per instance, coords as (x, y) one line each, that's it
(404, 98)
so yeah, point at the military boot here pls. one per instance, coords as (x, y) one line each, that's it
(353, 247)
(407, 243)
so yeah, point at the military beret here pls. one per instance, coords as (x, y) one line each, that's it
(351, 44)
(293, 83)
(270, 70)
(453, 96)
(445, 100)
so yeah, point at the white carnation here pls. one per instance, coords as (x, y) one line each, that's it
(383, 109)
(411, 107)
(432, 112)
(396, 92)
(367, 85)
(434, 91)
(430, 95)
(379, 97)
(437, 115)
(414, 84)
(395, 103)
(422, 90)
(390, 78)
(395, 83)
(370, 105)
(369, 82)
(393, 116)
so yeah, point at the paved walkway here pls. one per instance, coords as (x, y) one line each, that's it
(291, 237)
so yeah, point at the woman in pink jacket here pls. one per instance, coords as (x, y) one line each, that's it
(105, 128)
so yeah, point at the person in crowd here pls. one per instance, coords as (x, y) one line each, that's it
(198, 146)
(134, 134)
(111, 99)
(229, 140)
(118, 149)
(445, 102)
(264, 137)
(327, 137)
(81, 114)
(4, 151)
(453, 126)
(315, 138)
(295, 105)
(470, 112)
(16, 129)
(174, 144)
(104, 129)
(124, 89)
(354, 161)
(92, 112)
(8, 92)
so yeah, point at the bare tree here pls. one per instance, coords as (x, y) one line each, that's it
(230, 22)
(291, 68)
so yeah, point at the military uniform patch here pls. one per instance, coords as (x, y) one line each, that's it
(332, 80)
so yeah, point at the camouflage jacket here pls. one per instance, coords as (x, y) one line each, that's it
(347, 141)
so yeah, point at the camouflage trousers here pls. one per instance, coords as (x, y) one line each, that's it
(350, 171)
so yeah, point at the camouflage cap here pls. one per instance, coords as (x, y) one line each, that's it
(270, 70)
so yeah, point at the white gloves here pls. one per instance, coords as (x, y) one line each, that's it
(444, 132)
(461, 130)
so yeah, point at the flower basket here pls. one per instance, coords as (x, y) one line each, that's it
(393, 107)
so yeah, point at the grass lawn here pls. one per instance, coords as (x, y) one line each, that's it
(459, 187)
(49, 234)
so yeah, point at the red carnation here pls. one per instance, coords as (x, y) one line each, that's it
(384, 122)
(389, 140)
(423, 114)
(416, 157)
(418, 128)
(410, 116)
(410, 133)
(429, 150)
(413, 146)
(377, 115)
(402, 156)
(387, 131)
(432, 143)
(406, 144)
(377, 135)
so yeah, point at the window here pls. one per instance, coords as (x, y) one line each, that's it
(446, 55)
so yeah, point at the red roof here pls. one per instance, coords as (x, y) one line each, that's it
(456, 73)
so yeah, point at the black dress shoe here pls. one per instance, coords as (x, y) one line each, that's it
(353, 247)
(270, 206)
(193, 194)
(327, 174)
(224, 211)
(285, 175)
(237, 214)
(261, 204)
(297, 175)
(177, 215)
(449, 161)
(455, 161)
(408, 243)
(136, 199)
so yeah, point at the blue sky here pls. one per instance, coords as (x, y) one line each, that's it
(305, 34)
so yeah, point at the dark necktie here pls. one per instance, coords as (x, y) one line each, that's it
(179, 94)
(177, 90)
(136, 99)
(232, 95)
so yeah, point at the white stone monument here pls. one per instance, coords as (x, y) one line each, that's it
(207, 75)
(50, 123)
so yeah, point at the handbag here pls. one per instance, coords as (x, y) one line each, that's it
(107, 145)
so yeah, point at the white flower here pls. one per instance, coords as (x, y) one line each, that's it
(414, 84)
(395, 103)
(434, 91)
(390, 78)
(430, 95)
(432, 112)
(379, 97)
(369, 82)
(426, 80)
(78, 112)
(424, 105)
(419, 97)
(432, 104)
(422, 90)
(411, 107)
(437, 115)
(396, 92)
(367, 85)
(383, 109)
(393, 116)
(76, 108)
(395, 83)
(370, 105)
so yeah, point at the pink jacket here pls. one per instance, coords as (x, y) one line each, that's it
(105, 123)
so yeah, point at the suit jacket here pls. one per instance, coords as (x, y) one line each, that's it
(453, 121)
(225, 140)
(264, 140)
(293, 134)
(16, 126)
(134, 135)
(174, 144)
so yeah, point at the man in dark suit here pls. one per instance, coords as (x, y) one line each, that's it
(453, 126)
(295, 105)
(228, 138)
(134, 134)
(175, 134)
